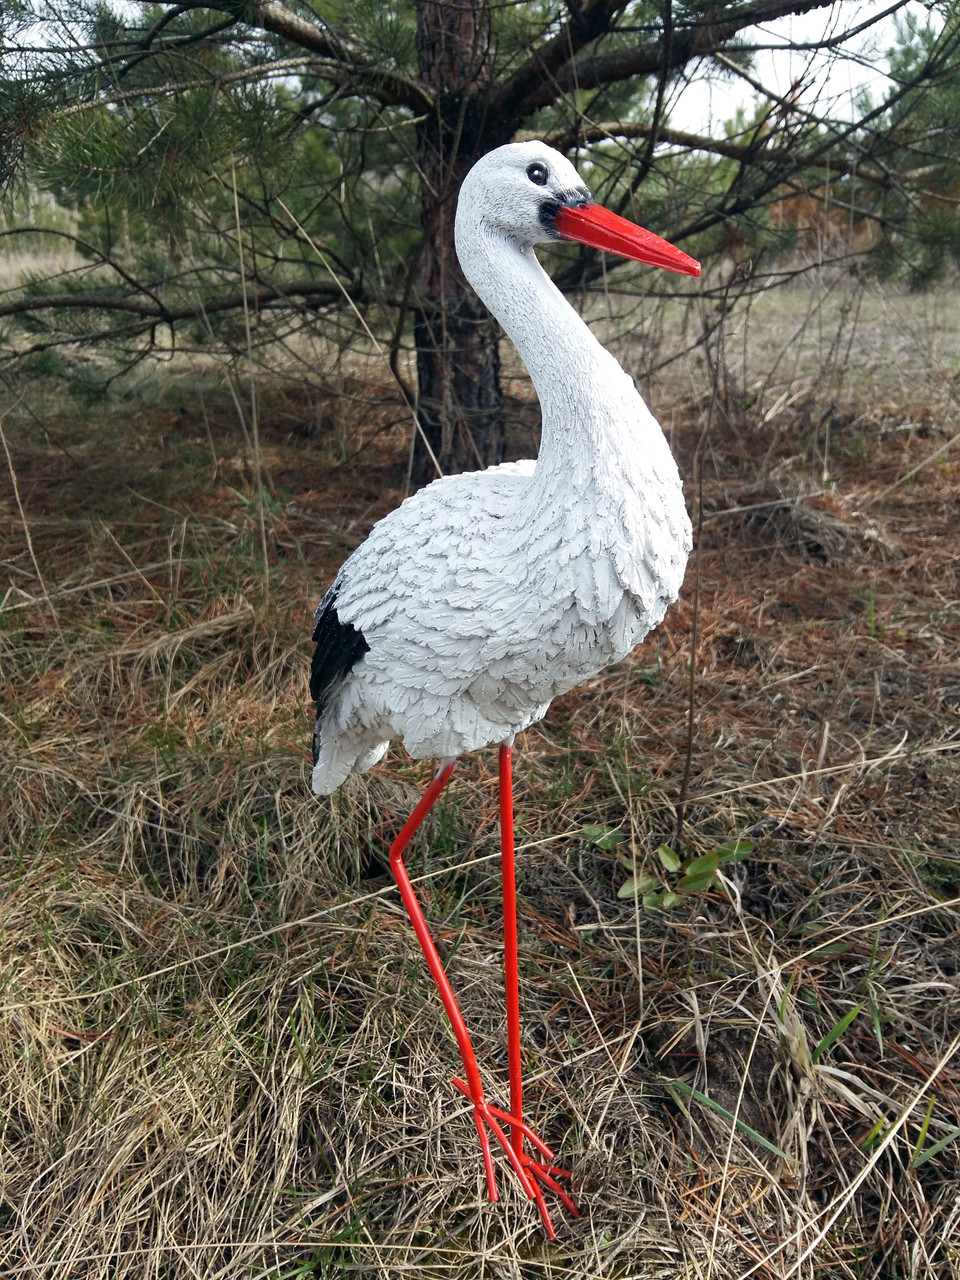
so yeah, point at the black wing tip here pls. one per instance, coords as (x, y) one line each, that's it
(339, 647)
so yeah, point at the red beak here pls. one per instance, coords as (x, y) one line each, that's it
(597, 227)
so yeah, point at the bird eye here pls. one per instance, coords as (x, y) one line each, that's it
(537, 173)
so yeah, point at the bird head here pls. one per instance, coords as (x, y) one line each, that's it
(530, 193)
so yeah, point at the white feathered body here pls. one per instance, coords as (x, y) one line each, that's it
(485, 595)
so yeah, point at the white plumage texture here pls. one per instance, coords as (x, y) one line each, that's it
(485, 595)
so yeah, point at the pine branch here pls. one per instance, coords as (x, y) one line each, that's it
(829, 154)
(838, 164)
(260, 71)
(552, 72)
(159, 313)
(351, 63)
(84, 246)
(588, 21)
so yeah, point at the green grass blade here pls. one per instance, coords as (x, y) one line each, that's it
(922, 1136)
(923, 1156)
(728, 1115)
(836, 1031)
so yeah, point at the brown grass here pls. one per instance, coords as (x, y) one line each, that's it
(221, 1053)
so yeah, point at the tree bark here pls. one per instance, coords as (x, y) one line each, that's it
(460, 405)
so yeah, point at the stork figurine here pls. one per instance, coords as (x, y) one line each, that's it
(484, 596)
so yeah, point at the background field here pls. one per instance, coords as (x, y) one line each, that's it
(221, 1053)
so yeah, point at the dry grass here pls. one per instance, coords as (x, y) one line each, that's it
(221, 1053)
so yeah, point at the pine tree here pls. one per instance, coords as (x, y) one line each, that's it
(343, 130)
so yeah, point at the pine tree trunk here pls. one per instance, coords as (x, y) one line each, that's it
(460, 401)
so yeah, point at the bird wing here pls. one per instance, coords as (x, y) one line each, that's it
(437, 590)
(415, 558)
(339, 647)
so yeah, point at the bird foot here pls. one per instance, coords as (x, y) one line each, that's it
(547, 1174)
(530, 1172)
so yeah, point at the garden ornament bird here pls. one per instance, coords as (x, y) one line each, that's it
(484, 596)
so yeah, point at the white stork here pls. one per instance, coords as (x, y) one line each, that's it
(484, 596)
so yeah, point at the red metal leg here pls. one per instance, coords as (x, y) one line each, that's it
(510, 962)
(483, 1113)
(545, 1173)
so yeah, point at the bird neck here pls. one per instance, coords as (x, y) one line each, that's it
(591, 411)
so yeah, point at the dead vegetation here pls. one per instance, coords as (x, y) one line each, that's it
(221, 1054)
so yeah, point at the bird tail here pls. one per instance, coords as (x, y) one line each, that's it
(333, 764)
